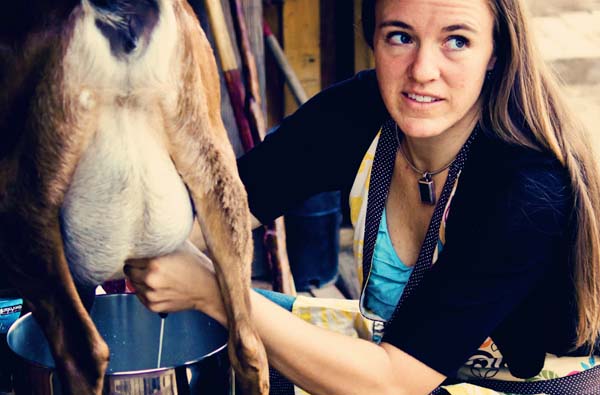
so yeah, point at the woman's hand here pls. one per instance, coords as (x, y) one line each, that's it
(183, 280)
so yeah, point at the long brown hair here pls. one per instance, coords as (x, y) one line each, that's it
(527, 108)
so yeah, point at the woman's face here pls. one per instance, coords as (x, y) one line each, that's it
(431, 58)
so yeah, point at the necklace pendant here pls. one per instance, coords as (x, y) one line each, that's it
(427, 189)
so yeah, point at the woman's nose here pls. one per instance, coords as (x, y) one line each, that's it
(424, 67)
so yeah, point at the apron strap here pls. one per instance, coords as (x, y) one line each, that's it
(583, 383)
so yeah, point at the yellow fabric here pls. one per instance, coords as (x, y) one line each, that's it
(300, 391)
(468, 389)
(338, 315)
(358, 203)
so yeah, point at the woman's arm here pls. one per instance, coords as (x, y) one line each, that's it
(325, 362)
(318, 360)
(317, 149)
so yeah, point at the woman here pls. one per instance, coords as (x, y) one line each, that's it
(475, 204)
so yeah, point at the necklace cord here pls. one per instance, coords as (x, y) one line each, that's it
(425, 173)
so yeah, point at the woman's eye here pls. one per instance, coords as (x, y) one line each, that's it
(399, 38)
(457, 43)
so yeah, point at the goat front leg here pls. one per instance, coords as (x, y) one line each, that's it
(206, 163)
(224, 217)
(204, 157)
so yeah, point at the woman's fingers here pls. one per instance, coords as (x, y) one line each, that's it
(143, 272)
(137, 273)
(141, 264)
(178, 281)
(154, 300)
(145, 277)
(155, 306)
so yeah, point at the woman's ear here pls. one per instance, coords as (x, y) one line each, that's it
(492, 63)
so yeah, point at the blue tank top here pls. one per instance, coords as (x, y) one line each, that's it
(389, 275)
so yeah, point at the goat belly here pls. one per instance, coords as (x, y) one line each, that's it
(126, 199)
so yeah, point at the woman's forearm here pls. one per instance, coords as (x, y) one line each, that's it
(325, 362)
(314, 358)
(318, 360)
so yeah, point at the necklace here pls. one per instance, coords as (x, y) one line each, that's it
(426, 184)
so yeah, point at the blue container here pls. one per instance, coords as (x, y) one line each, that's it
(313, 239)
(10, 311)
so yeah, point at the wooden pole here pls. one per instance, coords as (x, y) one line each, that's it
(253, 97)
(284, 65)
(231, 71)
(274, 238)
(250, 119)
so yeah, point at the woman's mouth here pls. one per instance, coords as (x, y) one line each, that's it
(424, 99)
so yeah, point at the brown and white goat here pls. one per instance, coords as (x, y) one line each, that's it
(110, 137)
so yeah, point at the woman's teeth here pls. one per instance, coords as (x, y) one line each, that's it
(422, 99)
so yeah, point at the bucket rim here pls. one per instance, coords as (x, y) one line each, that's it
(10, 334)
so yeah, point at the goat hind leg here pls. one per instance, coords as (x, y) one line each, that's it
(36, 266)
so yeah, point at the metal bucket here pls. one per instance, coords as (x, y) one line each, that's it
(193, 360)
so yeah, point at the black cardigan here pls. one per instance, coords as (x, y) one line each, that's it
(506, 268)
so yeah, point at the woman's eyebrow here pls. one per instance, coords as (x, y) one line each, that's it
(399, 24)
(447, 29)
(459, 26)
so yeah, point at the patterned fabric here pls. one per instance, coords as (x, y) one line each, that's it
(429, 249)
(587, 382)
(487, 363)
(279, 384)
(484, 373)
(383, 168)
(373, 178)
(464, 389)
(338, 315)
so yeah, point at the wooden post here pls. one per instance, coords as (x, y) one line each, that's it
(274, 81)
(301, 43)
(253, 10)
(363, 56)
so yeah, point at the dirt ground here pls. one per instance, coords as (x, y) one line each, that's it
(554, 7)
(573, 42)
(585, 100)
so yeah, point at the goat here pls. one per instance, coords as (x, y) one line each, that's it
(112, 141)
